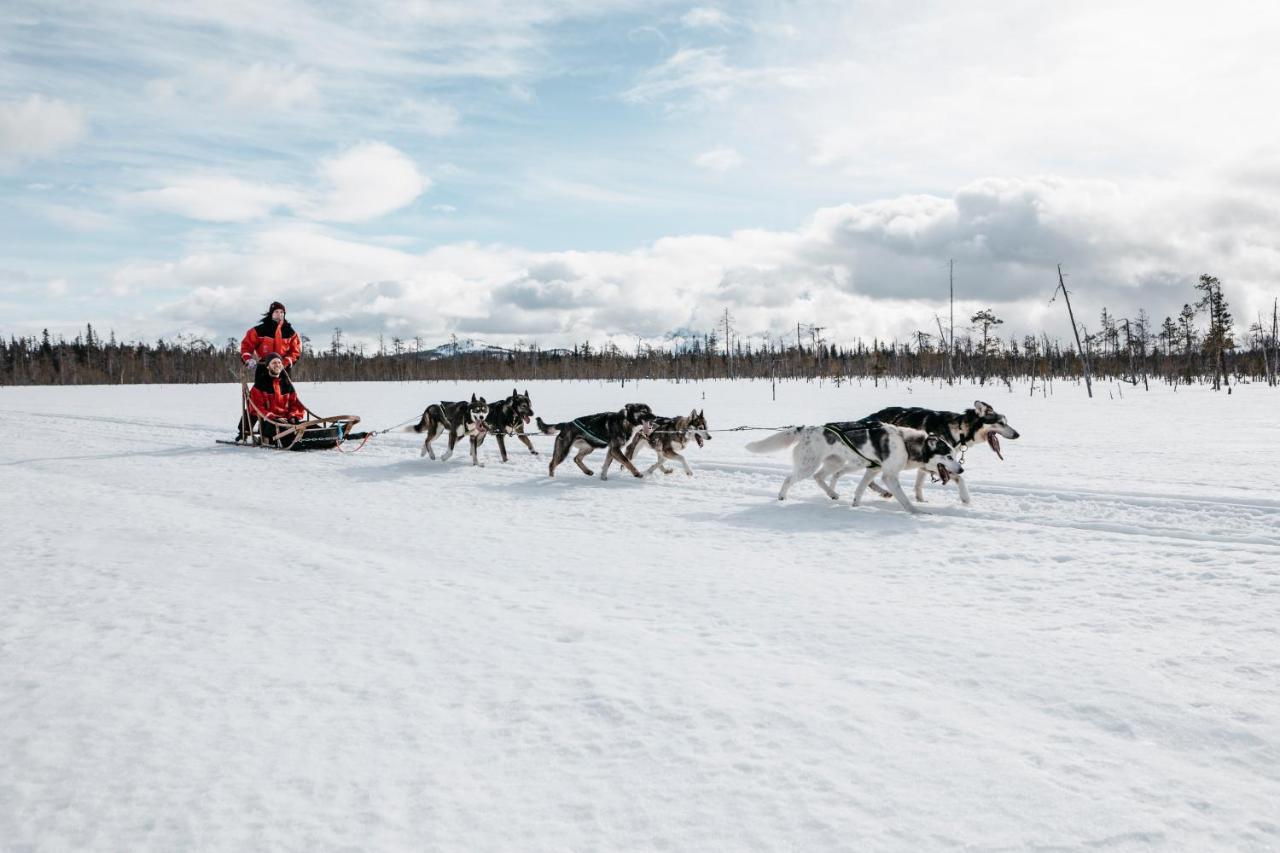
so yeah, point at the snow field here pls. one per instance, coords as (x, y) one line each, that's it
(225, 648)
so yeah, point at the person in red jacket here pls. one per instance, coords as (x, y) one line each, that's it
(272, 334)
(272, 396)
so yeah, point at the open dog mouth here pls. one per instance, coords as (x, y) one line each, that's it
(943, 474)
(646, 427)
(527, 418)
(994, 441)
(697, 436)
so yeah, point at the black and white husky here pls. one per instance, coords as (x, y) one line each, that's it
(457, 420)
(831, 449)
(669, 437)
(981, 424)
(608, 430)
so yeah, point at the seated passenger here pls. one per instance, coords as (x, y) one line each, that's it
(272, 395)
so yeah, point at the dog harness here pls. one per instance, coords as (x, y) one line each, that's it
(578, 423)
(871, 463)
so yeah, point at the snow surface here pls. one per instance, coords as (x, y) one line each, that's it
(212, 647)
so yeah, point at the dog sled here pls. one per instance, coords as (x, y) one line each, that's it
(317, 432)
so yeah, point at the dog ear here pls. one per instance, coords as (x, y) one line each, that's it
(513, 392)
(980, 407)
(473, 398)
(693, 413)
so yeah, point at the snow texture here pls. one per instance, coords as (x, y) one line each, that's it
(210, 647)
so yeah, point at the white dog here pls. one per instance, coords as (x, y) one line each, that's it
(829, 450)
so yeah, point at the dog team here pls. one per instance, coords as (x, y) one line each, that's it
(882, 444)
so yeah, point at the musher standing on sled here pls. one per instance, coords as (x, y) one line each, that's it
(272, 334)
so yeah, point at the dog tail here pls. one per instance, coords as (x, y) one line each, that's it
(778, 441)
(422, 425)
(546, 428)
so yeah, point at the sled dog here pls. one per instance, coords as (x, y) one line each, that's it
(455, 419)
(609, 430)
(831, 449)
(961, 430)
(669, 437)
(509, 417)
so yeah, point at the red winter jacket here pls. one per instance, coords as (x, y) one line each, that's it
(275, 397)
(268, 337)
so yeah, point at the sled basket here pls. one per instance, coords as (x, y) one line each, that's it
(316, 433)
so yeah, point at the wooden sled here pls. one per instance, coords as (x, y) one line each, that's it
(316, 433)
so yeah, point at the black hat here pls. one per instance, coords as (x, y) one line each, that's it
(266, 359)
(274, 306)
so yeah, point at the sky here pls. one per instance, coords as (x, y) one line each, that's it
(554, 171)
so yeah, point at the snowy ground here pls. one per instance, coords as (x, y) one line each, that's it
(210, 647)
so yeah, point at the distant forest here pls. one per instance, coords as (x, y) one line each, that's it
(1200, 345)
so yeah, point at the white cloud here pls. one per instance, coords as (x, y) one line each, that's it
(217, 198)
(696, 76)
(719, 159)
(367, 181)
(364, 182)
(161, 91)
(57, 287)
(705, 17)
(434, 117)
(39, 127)
(78, 218)
(877, 269)
(267, 86)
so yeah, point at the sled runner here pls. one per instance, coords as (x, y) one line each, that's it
(316, 432)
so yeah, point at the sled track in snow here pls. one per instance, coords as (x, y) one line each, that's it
(1247, 523)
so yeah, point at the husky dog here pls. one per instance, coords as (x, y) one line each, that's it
(831, 449)
(961, 430)
(669, 436)
(509, 417)
(457, 419)
(610, 430)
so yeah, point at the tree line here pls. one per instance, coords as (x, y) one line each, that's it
(1199, 345)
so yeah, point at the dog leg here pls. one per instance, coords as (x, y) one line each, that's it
(786, 487)
(920, 473)
(608, 460)
(867, 477)
(828, 467)
(835, 478)
(685, 462)
(578, 461)
(615, 451)
(527, 442)
(879, 489)
(634, 445)
(804, 463)
(426, 444)
(502, 446)
(560, 452)
(654, 467)
(475, 451)
(896, 488)
(453, 441)
(964, 490)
